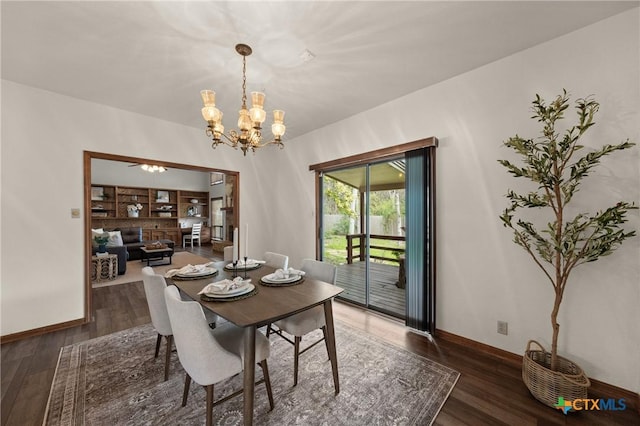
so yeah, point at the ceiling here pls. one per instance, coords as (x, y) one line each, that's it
(154, 57)
(383, 176)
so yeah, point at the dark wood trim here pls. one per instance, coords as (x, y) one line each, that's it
(378, 154)
(40, 331)
(605, 390)
(598, 387)
(168, 164)
(319, 212)
(87, 236)
(506, 356)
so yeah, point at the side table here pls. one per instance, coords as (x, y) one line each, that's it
(104, 268)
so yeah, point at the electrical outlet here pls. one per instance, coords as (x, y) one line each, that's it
(503, 327)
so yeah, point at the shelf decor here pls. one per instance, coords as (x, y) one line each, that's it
(162, 197)
(102, 240)
(133, 210)
(97, 193)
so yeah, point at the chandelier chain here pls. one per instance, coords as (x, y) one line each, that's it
(244, 82)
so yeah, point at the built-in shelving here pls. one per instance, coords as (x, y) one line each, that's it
(161, 211)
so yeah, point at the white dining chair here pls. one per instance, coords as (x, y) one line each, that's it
(228, 254)
(307, 321)
(196, 229)
(154, 286)
(276, 260)
(210, 356)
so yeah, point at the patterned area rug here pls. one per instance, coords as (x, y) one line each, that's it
(115, 380)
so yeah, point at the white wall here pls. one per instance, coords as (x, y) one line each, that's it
(108, 172)
(482, 276)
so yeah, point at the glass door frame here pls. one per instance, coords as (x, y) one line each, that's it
(428, 323)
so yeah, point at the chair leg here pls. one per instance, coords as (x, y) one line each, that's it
(267, 382)
(158, 340)
(269, 330)
(209, 405)
(296, 355)
(167, 357)
(185, 392)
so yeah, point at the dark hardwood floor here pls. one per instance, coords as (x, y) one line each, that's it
(489, 391)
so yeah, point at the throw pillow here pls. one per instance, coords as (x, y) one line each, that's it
(115, 239)
(95, 233)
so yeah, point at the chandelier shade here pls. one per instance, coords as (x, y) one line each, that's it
(249, 133)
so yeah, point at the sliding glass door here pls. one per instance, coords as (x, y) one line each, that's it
(342, 229)
(363, 233)
(376, 221)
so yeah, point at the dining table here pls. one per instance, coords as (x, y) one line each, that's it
(263, 306)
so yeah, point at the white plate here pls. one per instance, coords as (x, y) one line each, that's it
(239, 289)
(249, 266)
(206, 271)
(233, 293)
(270, 278)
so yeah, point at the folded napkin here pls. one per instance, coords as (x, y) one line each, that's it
(282, 273)
(225, 286)
(189, 269)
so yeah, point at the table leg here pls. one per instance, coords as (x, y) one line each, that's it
(331, 343)
(249, 372)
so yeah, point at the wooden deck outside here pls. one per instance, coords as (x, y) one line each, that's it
(383, 293)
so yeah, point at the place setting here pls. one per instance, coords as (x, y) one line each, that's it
(243, 263)
(192, 272)
(228, 290)
(283, 277)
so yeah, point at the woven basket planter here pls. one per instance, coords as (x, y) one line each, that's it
(547, 385)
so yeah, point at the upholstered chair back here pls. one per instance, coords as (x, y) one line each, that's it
(322, 271)
(201, 355)
(154, 286)
(276, 260)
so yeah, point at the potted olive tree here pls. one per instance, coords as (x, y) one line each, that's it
(556, 164)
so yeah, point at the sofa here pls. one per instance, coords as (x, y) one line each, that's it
(132, 240)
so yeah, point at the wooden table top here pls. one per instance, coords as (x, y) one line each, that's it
(268, 305)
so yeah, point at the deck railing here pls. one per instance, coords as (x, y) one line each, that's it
(355, 245)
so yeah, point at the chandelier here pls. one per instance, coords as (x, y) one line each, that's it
(249, 135)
